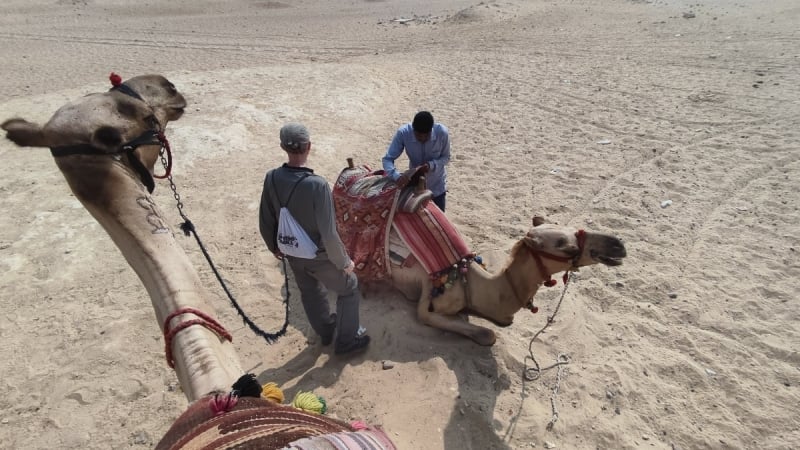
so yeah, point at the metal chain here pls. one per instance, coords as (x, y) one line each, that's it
(188, 228)
(173, 187)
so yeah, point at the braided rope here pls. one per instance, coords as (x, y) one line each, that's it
(534, 373)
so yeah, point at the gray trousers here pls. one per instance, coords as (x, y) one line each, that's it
(314, 278)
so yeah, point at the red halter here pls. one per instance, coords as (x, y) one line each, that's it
(537, 257)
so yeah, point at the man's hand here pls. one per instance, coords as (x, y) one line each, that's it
(350, 267)
(405, 178)
(277, 254)
(425, 168)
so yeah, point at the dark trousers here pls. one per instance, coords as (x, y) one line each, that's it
(314, 278)
(439, 201)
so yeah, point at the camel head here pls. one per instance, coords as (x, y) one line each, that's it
(561, 248)
(545, 250)
(129, 116)
(160, 94)
(107, 120)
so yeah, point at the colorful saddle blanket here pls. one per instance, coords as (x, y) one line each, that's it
(365, 203)
(368, 203)
(259, 423)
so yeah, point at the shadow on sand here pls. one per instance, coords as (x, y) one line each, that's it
(471, 424)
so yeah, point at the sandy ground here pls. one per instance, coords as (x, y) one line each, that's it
(692, 343)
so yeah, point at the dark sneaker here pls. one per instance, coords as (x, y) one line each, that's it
(358, 344)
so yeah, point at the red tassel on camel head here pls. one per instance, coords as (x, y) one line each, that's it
(116, 80)
(550, 283)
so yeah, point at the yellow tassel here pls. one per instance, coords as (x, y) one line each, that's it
(272, 392)
(308, 401)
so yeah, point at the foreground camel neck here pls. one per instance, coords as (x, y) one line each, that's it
(203, 361)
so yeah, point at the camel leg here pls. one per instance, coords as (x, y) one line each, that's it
(455, 324)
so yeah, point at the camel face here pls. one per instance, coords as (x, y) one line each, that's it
(105, 120)
(101, 120)
(564, 243)
(161, 95)
(105, 123)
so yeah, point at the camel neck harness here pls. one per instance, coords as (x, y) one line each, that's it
(538, 257)
(149, 137)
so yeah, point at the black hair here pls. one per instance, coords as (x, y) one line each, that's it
(423, 122)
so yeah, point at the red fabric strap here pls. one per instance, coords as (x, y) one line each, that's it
(204, 320)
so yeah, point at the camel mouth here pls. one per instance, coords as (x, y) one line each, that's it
(610, 255)
(609, 260)
(177, 111)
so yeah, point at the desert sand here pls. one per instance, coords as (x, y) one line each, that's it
(673, 125)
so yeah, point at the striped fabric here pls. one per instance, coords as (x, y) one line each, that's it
(369, 439)
(256, 423)
(432, 239)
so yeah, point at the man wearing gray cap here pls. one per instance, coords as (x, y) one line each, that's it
(297, 222)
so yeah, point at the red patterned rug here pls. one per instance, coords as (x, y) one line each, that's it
(366, 205)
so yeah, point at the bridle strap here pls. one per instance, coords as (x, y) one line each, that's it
(149, 137)
(580, 235)
(127, 91)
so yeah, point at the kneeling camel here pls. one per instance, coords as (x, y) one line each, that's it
(545, 250)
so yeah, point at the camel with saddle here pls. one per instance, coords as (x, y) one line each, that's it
(106, 146)
(398, 235)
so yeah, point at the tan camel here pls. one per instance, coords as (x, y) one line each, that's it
(545, 250)
(106, 146)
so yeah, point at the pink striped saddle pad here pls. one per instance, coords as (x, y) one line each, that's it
(432, 238)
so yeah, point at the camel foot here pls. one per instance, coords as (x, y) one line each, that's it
(485, 337)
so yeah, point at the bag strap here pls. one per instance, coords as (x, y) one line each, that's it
(291, 193)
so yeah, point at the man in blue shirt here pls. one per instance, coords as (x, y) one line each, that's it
(426, 144)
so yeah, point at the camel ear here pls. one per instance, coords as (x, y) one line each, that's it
(538, 220)
(24, 133)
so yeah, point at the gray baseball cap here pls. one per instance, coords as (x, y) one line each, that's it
(294, 137)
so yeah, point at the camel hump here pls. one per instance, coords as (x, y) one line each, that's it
(24, 133)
